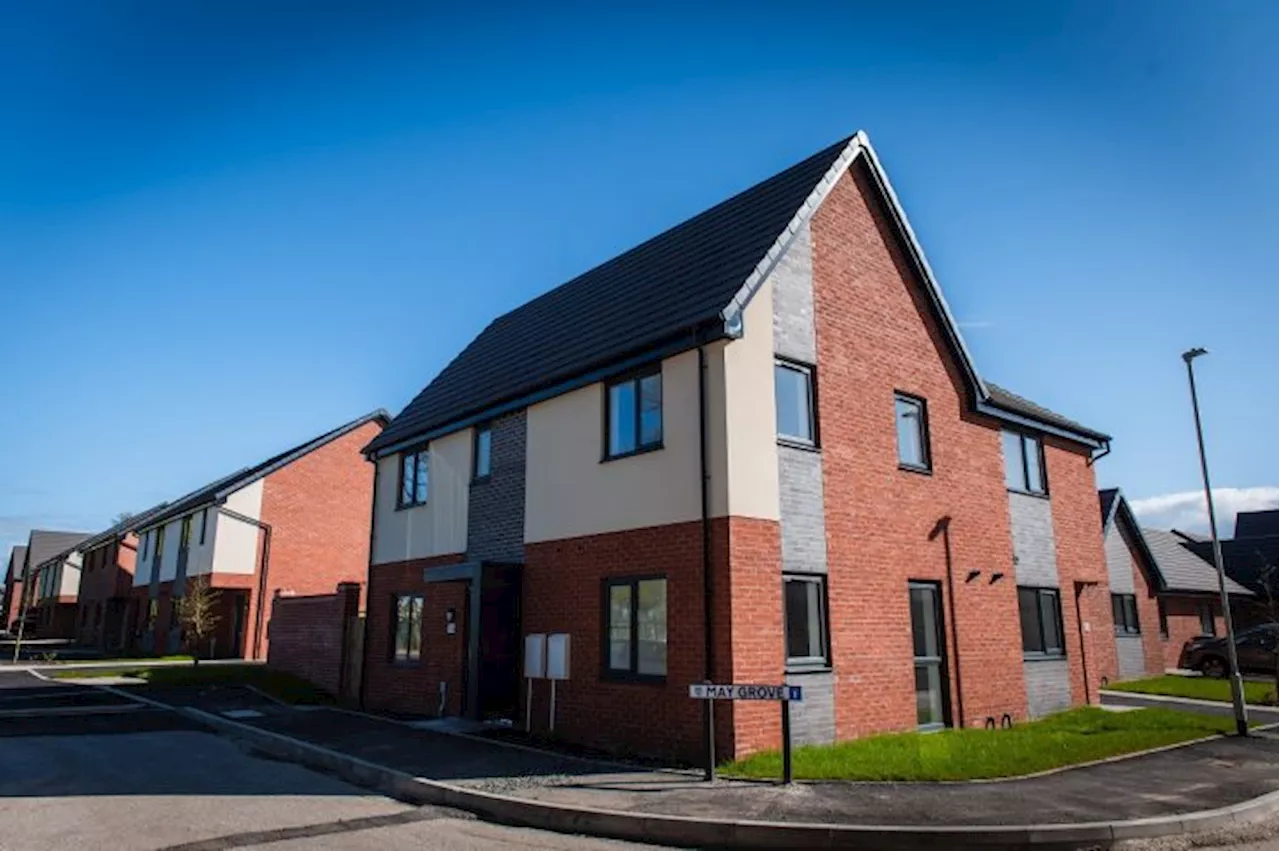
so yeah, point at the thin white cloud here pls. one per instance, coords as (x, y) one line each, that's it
(1187, 511)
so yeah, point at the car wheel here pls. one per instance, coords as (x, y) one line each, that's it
(1213, 667)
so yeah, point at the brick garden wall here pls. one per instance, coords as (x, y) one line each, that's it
(309, 635)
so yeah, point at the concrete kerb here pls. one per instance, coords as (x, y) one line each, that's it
(1194, 701)
(722, 833)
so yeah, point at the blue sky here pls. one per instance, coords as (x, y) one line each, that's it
(225, 227)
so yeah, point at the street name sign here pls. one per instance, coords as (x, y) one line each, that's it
(711, 691)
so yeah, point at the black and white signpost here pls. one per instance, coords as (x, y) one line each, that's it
(783, 694)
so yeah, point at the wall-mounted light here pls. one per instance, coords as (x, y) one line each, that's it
(973, 574)
(996, 577)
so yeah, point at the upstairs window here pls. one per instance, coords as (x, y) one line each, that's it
(793, 402)
(634, 414)
(1124, 612)
(204, 525)
(184, 535)
(913, 432)
(1040, 611)
(414, 470)
(1023, 463)
(159, 544)
(483, 452)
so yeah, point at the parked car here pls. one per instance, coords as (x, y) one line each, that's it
(1255, 648)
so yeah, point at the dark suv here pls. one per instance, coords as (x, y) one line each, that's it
(1255, 647)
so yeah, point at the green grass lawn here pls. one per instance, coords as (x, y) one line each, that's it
(1067, 738)
(278, 684)
(1200, 688)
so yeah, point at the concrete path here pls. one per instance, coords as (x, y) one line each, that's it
(1197, 777)
(1258, 714)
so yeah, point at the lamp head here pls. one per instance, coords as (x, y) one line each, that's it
(1191, 354)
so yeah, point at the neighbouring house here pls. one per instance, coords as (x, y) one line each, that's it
(297, 522)
(51, 578)
(11, 599)
(1162, 592)
(106, 584)
(1250, 558)
(752, 449)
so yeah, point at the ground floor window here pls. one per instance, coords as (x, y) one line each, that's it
(805, 599)
(635, 633)
(1163, 616)
(406, 628)
(1124, 612)
(1040, 612)
(1207, 626)
(929, 655)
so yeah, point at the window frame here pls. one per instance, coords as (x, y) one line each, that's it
(634, 377)
(1023, 438)
(1043, 653)
(926, 449)
(631, 673)
(476, 475)
(1162, 615)
(940, 661)
(393, 647)
(1128, 605)
(1206, 608)
(157, 545)
(821, 662)
(184, 533)
(810, 371)
(415, 453)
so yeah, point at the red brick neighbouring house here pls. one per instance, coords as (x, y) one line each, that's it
(294, 524)
(104, 603)
(51, 581)
(11, 598)
(1162, 593)
(753, 449)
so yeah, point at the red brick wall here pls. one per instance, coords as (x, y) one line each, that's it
(414, 687)
(876, 335)
(1148, 608)
(1183, 614)
(1077, 533)
(319, 508)
(12, 601)
(563, 592)
(309, 634)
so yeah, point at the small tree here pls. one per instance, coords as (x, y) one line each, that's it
(197, 613)
(121, 517)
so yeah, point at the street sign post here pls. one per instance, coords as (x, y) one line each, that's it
(780, 693)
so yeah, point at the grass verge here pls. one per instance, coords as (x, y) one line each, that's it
(1067, 738)
(279, 684)
(1199, 688)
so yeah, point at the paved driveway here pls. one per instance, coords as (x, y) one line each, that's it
(78, 771)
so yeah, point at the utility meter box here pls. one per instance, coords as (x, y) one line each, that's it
(535, 655)
(558, 656)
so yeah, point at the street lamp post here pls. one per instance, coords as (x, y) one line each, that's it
(1237, 684)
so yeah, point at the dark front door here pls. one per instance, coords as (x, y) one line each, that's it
(498, 691)
(239, 611)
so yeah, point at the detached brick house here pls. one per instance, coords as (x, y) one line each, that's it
(11, 599)
(106, 584)
(297, 522)
(752, 449)
(51, 579)
(1162, 592)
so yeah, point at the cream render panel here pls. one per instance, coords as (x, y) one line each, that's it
(200, 556)
(750, 447)
(234, 542)
(169, 558)
(437, 528)
(70, 586)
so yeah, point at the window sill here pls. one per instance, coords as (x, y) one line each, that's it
(482, 480)
(1044, 657)
(796, 443)
(633, 453)
(1124, 634)
(1037, 495)
(914, 468)
(410, 506)
(802, 668)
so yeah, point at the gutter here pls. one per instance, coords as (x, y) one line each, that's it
(262, 573)
(708, 589)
